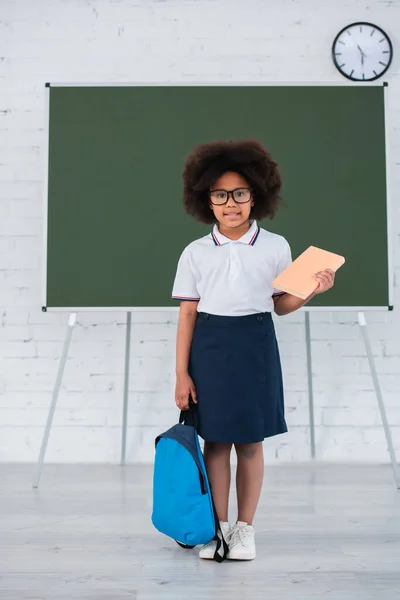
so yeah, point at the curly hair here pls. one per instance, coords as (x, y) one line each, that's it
(249, 158)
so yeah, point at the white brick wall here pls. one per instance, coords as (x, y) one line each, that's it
(177, 40)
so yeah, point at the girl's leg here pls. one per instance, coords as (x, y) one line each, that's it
(218, 462)
(249, 479)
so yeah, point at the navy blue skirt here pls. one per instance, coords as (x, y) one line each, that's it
(236, 368)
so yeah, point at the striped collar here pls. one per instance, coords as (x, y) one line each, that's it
(249, 238)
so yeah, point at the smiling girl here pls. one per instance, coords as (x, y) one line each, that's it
(227, 357)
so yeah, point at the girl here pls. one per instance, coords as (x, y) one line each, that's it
(227, 357)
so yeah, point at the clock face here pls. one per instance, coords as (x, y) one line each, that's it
(362, 52)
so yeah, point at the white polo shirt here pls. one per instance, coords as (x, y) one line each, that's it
(232, 277)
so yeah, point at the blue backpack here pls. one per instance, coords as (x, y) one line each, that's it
(183, 508)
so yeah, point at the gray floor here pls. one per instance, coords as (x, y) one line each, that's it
(323, 531)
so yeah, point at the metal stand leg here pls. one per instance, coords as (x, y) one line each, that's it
(362, 321)
(126, 386)
(310, 384)
(61, 366)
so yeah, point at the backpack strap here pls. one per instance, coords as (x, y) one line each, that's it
(190, 416)
(222, 548)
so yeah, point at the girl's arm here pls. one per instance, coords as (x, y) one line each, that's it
(186, 323)
(287, 303)
(184, 383)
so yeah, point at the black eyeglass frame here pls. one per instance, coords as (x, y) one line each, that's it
(231, 192)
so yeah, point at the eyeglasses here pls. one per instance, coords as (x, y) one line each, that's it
(240, 195)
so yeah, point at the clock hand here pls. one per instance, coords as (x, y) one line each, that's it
(362, 54)
(361, 50)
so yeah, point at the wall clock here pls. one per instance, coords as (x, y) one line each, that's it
(362, 51)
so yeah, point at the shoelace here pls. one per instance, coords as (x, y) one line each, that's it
(227, 537)
(235, 536)
(238, 535)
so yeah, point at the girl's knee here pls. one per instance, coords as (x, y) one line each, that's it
(248, 450)
(217, 449)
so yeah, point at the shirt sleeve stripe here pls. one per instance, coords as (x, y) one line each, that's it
(185, 298)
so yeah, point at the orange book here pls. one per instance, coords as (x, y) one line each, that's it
(297, 279)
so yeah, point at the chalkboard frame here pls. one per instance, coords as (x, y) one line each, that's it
(389, 238)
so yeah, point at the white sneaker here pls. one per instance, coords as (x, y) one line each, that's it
(208, 550)
(241, 542)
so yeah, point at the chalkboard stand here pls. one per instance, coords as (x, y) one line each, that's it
(61, 367)
(126, 386)
(363, 326)
(310, 385)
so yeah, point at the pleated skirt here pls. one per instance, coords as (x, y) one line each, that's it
(236, 369)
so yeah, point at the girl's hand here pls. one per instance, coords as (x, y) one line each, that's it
(325, 280)
(184, 387)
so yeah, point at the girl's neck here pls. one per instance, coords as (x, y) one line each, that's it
(234, 233)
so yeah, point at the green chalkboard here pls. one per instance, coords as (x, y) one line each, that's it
(115, 219)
